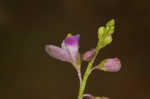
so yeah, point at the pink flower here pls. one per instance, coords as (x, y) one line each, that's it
(68, 51)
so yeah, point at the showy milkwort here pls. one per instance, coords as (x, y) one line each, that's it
(68, 52)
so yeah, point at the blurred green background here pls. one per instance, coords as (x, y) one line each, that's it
(27, 72)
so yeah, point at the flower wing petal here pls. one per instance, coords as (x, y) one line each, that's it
(58, 53)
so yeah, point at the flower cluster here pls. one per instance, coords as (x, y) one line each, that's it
(69, 52)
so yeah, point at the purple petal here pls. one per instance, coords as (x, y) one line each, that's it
(72, 40)
(71, 45)
(58, 53)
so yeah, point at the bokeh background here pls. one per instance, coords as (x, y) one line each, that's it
(27, 72)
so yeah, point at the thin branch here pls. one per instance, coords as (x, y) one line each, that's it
(88, 95)
(80, 76)
(94, 68)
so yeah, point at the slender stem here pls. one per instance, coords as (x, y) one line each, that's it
(88, 72)
(94, 68)
(85, 77)
(88, 95)
(79, 75)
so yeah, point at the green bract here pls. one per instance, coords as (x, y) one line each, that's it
(101, 65)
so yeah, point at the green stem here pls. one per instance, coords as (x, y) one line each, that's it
(85, 77)
(88, 72)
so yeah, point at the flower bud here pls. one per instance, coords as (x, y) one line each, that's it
(111, 65)
(88, 55)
